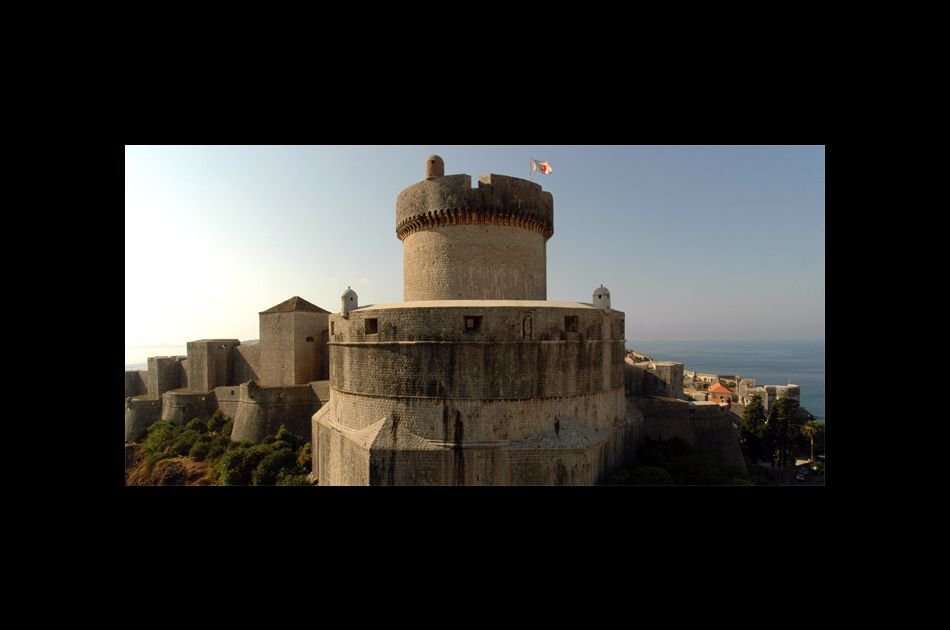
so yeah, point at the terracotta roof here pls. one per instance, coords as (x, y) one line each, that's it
(719, 388)
(295, 303)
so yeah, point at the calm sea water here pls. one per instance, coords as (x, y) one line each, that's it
(769, 362)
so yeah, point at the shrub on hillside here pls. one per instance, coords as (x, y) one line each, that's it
(183, 443)
(160, 436)
(237, 464)
(294, 440)
(217, 421)
(197, 424)
(273, 464)
(214, 452)
(284, 479)
(305, 457)
(199, 451)
(231, 468)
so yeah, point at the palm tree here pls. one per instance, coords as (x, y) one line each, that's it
(810, 429)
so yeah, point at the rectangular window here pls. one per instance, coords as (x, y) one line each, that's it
(570, 323)
(371, 326)
(331, 327)
(473, 323)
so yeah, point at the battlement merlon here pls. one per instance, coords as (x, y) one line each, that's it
(451, 200)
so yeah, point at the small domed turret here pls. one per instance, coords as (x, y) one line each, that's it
(602, 298)
(435, 167)
(350, 301)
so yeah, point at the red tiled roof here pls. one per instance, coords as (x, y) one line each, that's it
(719, 388)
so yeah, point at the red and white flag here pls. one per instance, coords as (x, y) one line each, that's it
(541, 167)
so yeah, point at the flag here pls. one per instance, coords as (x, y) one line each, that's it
(541, 167)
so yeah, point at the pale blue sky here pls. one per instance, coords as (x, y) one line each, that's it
(693, 242)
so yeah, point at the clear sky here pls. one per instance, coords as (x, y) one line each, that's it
(693, 242)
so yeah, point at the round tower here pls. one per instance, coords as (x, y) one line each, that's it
(602, 298)
(349, 301)
(464, 243)
(475, 378)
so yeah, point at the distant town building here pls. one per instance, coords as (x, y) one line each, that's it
(720, 393)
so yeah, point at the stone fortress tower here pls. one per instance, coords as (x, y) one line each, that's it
(280, 380)
(475, 378)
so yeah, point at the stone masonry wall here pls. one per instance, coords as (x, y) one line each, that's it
(388, 453)
(448, 420)
(247, 361)
(310, 347)
(227, 398)
(286, 357)
(210, 363)
(452, 200)
(164, 374)
(181, 405)
(261, 411)
(706, 427)
(140, 414)
(136, 383)
(474, 262)
(277, 348)
(653, 379)
(426, 352)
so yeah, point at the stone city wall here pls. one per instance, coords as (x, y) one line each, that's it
(247, 361)
(474, 262)
(164, 374)
(426, 352)
(141, 413)
(181, 405)
(136, 383)
(310, 347)
(653, 379)
(226, 399)
(210, 362)
(448, 420)
(705, 427)
(388, 453)
(261, 411)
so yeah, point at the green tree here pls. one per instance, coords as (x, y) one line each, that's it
(810, 429)
(784, 423)
(752, 429)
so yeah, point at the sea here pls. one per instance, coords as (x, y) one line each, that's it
(768, 362)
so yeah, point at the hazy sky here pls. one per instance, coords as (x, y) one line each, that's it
(693, 242)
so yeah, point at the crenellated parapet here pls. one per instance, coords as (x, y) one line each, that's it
(451, 200)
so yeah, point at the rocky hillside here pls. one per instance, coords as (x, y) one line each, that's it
(177, 471)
